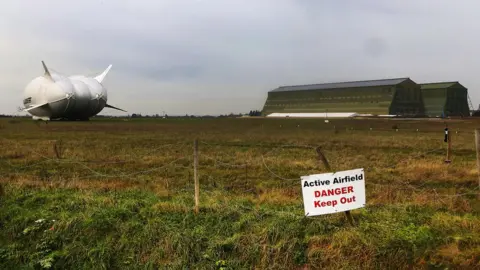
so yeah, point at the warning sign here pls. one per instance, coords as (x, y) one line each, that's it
(333, 192)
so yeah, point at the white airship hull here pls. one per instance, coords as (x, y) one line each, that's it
(53, 96)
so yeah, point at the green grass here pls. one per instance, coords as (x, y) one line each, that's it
(121, 195)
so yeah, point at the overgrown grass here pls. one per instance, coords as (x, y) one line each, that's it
(121, 195)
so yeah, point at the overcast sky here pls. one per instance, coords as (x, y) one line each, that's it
(222, 56)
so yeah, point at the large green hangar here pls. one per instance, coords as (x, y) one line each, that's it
(399, 96)
(445, 99)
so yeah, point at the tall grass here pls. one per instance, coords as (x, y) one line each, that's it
(121, 195)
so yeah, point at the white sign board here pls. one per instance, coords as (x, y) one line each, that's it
(333, 192)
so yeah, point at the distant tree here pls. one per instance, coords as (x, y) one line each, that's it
(255, 113)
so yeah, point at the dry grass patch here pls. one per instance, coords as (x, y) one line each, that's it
(279, 197)
(428, 171)
(101, 185)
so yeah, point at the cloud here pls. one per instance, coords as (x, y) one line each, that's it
(216, 56)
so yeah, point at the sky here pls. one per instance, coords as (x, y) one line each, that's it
(223, 56)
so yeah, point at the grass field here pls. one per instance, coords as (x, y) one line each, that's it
(112, 193)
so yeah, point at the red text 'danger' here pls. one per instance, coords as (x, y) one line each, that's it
(333, 191)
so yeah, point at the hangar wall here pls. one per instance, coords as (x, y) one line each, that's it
(378, 97)
(445, 99)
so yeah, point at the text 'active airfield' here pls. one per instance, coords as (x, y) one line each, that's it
(333, 192)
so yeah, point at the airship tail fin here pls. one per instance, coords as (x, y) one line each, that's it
(110, 106)
(47, 72)
(100, 77)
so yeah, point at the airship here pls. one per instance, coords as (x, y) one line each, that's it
(54, 96)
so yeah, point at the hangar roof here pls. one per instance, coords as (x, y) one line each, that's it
(370, 83)
(437, 85)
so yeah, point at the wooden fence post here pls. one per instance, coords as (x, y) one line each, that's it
(477, 147)
(324, 160)
(449, 146)
(195, 174)
(246, 175)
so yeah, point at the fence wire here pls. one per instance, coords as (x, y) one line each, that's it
(218, 162)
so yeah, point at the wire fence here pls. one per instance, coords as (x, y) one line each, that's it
(211, 160)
